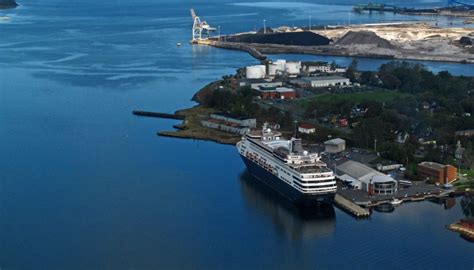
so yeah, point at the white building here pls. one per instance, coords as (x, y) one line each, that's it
(322, 67)
(365, 178)
(336, 145)
(245, 122)
(326, 81)
(306, 128)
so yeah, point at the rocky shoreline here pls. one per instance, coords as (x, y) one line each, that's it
(359, 52)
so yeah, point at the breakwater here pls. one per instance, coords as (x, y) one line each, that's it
(158, 115)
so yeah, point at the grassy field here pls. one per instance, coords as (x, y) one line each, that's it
(469, 173)
(380, 96)
(191, 127)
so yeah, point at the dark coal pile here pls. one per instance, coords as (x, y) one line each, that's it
(293, 38)
(364, 37)
(465, 41)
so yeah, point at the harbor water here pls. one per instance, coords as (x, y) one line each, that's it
(84, 184)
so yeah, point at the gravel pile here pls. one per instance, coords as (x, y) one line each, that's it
(364, 37)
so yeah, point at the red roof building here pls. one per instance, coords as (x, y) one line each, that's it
(306, 128)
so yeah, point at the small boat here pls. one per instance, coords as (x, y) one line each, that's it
(178, 44)
(396, 202)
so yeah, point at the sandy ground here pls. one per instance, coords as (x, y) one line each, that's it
(409, 40)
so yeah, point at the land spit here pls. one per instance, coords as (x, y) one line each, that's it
(404, 41)
(191, 127)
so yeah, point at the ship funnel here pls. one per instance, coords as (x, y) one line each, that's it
(296, 146)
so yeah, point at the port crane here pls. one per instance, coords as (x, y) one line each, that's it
(200, 27)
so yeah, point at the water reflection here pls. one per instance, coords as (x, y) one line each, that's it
(289, 220)
(467, 205)
(447, 203)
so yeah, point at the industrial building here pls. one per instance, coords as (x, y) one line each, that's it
(246, 122)
(301, 83)
(276, 93)
(256, 84)
(327, 81)
(228, 123)
(362, 177)
(224, 126)
(313, 67)
(335, 145)
(439, 173)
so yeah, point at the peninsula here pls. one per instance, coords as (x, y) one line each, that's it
(405, 41)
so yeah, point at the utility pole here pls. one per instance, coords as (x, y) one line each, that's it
(375, 146)
(329, 163)
(295, 129)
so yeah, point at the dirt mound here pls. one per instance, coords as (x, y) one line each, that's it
(292, 38)
(364, 37)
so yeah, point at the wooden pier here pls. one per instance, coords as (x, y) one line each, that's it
(351, 207)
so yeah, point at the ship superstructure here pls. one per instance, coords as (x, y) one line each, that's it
(284, 165)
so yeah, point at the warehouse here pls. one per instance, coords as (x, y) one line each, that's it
(360, 176)
(326, 81)
(335, 145)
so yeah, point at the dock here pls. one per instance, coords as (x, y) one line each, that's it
(351, 207)
(234, 46)
(159, 115)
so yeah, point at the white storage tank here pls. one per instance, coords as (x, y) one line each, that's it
(293, 67)
(255, 72)
(274, 69)
(281, 64)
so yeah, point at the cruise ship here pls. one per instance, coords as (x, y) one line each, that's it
(285, 166)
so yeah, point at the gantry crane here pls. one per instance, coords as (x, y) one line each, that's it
(200, 27)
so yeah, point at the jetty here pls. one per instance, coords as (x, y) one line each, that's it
(159, 115)
(234, 46)
(351, 207)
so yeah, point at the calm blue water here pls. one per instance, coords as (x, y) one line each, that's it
(86, 185)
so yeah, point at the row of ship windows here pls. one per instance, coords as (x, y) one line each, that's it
(313, 181)
(315, 176)
(322, 186)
